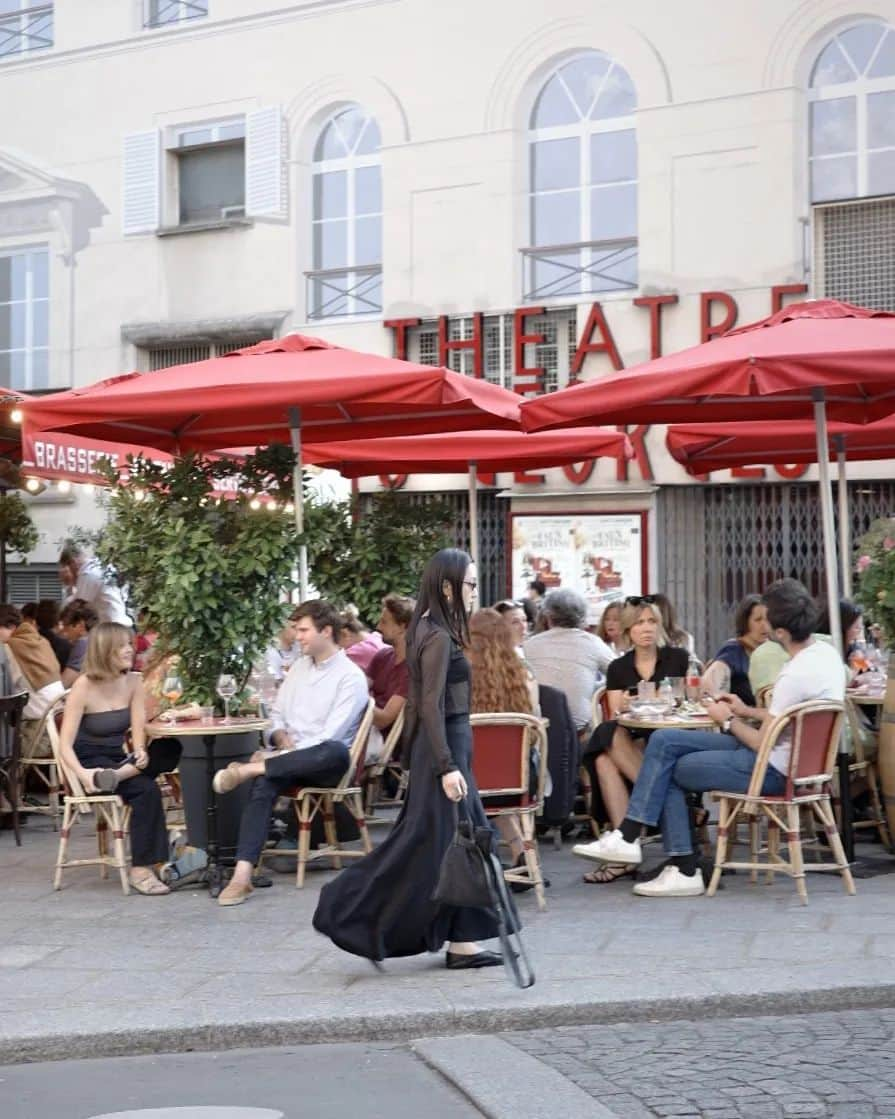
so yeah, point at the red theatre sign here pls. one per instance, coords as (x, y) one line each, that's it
(718, 312)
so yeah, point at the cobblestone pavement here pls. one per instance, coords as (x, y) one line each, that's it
(811, 1066)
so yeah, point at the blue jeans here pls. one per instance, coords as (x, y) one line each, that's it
(681, 761)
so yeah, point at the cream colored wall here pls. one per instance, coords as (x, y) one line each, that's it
(722, 193)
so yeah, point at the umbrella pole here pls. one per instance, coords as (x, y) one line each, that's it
(844, 523)
(298, 501)
(474, 511)
(830, 567)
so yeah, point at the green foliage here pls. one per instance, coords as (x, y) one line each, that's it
(876, 575)
(210, 572)
(18, 533)
(360, 559)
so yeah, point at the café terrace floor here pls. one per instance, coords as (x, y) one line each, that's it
(87, 971)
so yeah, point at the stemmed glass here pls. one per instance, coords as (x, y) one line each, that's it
(172, 690)
(226, 689)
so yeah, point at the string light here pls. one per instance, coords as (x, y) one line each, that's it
(32, 485)
(272, 506)
(254, 503)
(16, 415)
(139, 495)
(288, 507)
(64, 486)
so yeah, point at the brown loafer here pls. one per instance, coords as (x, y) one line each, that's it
(226, 780)
(234, 893)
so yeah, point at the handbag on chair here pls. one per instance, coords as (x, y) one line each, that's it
(471, 875)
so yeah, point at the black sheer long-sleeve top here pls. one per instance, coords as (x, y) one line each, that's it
(439, 688)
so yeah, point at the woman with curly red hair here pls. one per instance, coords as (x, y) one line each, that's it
(500, 682)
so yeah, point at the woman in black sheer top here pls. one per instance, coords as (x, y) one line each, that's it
(381, 906)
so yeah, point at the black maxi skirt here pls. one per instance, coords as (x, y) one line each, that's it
(381, 906)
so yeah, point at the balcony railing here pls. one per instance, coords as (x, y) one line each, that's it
(586, 268)
(28, 30)
(161, 13)
(335, 292)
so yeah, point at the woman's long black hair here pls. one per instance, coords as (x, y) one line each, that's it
(447, 566)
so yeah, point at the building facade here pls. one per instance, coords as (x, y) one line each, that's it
(531, 193)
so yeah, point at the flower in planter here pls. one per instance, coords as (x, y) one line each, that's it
(876, 575)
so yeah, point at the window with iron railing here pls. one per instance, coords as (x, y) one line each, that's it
(347, 218)
(25, 26)
(852, 108)
(557, 326)
(583, 181)
(161, 13)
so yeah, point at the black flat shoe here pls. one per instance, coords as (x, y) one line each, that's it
(457, 962)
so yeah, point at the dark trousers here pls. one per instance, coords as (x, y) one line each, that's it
(149, 835)
(321, 765)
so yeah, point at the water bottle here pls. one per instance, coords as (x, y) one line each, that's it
(693, 682)
(666, 694)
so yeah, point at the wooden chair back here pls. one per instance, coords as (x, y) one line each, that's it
(358, 748)
(599, 707)
(764, 696)
(815, 729)
(501, 754)
(392, 740)
(70, 783)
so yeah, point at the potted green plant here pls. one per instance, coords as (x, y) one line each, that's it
(212, 566)
(18, 533)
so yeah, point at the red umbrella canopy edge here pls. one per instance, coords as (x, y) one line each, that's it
(246, 398)
(769, 370)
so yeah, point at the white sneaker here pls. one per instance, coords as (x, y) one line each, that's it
(672, 883)
(610, 848)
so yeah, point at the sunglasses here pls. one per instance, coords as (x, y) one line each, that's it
(640, 600)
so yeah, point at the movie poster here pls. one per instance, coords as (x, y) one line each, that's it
(599, 555)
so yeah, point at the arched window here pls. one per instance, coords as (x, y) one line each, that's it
(583, 181)
(347, 218)
(852, 103)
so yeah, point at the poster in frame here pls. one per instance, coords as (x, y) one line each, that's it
(603, 556)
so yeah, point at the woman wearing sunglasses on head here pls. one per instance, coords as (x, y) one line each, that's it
(614, 755)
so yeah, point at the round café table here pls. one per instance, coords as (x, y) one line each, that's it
(666, 722)
(209, 730)
(866, 699)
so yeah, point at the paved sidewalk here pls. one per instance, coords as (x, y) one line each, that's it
(807, 1066)
(87, 971)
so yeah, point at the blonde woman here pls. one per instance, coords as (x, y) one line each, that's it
(107, 704)
(614, 755)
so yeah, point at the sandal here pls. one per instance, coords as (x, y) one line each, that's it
(149, 886)
(609, 873)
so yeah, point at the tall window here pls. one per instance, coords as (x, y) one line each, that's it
(852, 104)
(347, 221)
(583, 176)
(25, 25)
(24, 319)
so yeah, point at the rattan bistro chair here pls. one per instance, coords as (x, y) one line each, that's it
(108, 811)
(309, 800)
(11, 708)
(815, 728)
(377, 770)
(502, 745)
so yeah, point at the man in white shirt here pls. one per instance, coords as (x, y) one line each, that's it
(85, 579)
(313, 723)
(566, 656)
(679, 761)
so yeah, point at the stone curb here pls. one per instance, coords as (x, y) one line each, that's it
(403, 1026)
(505, 1083)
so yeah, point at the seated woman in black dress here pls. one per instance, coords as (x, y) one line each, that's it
(105, 703)
(614, 754)
(752, 630)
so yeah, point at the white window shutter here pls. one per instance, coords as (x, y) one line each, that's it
(142, 182)
(265, 164)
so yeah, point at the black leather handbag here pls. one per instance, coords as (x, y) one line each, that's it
(471, 875)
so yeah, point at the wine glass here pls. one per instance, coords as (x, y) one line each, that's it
(226, 689)
(172, 690)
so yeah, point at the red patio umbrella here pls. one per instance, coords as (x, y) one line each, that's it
(806, 360)
(290, 388)
(455, 451)
(702, 448)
